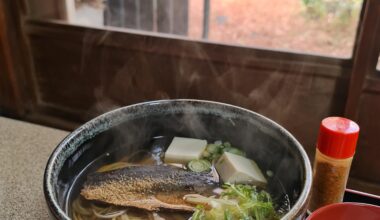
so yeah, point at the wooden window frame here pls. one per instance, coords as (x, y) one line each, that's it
(365, 57)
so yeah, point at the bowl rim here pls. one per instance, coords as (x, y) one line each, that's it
(335, 205)
(58, 212)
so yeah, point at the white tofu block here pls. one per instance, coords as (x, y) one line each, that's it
(237, 169)
(183, 150)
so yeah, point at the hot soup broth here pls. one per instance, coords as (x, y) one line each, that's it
(91, 195)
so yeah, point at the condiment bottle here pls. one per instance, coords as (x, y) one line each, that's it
(335, 149)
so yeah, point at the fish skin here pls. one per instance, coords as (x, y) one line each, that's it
(151, 187)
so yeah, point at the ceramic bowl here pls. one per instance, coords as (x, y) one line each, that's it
(129, 128)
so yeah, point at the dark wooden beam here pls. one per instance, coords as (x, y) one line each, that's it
(177, 46)
(17, 94)
(365, 55)
(9, 92)
(46, 9)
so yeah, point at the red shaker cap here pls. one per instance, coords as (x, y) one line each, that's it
(337, 137)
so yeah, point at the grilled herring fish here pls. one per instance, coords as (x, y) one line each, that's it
(151, 187)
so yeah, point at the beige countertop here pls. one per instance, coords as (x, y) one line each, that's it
(24, 151)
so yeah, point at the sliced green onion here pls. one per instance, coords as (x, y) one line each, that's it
(269, 173)
(199, 165)
(218, 143)
(215, 156)
(206, 154)
(227, 144)
(227, 149)
(212, 148)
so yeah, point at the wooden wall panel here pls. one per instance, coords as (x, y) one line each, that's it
(367, 163)
(17, 94)
(83, 72)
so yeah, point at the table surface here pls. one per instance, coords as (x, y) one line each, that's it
(24, 151)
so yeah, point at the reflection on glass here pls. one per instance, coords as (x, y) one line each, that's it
(313, 26)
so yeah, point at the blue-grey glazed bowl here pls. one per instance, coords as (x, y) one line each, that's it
(129, 128)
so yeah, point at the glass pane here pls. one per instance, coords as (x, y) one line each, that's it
(324, 27)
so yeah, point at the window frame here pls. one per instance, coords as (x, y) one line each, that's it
(65, 11)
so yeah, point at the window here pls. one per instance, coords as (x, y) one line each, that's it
(77, 72)
(326, 27)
